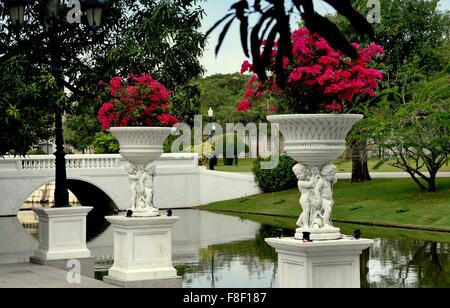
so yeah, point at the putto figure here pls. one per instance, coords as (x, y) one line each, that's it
(133, 176)
(316, 188)
(306, 184)
(141, 187)
(324, 192)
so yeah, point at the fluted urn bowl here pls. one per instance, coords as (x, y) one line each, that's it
(141, 145)
(315, 139)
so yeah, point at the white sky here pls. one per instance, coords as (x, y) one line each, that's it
(231, 55)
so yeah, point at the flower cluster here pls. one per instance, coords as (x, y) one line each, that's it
(136, 101)
(319, 77)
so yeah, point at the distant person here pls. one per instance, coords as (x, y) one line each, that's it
(212, 162)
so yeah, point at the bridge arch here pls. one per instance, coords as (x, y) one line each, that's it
(87, 191)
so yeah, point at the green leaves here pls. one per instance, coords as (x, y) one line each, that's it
(26, 115)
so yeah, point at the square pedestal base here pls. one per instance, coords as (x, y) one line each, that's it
(62, 233)
(323, 264)
(154, 283)
(142, 249)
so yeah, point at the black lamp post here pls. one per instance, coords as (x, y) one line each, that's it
(52, 23)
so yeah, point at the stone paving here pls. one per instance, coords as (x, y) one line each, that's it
(27, 275)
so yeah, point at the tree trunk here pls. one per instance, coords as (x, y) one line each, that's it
(360, 168)
(432, 182)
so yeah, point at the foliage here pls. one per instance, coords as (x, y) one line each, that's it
(80, 131)
(222, 92)
(26, 116)
(415, 134)
(136, 101)
(278, 179)
(412, 29)
(274, 22)
(36, 152)
(105, 143)
(205, 151)
(162, 37)
(319, 77)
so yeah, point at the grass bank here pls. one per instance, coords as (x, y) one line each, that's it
(386, 202)
(245, 165)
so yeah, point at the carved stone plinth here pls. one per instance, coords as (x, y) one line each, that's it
(142, 251)
(62, 233)
(322, 264)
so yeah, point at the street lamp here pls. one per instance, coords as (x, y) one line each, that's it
(210, 112)
(17, 11)
(52, 19)
(94, 11)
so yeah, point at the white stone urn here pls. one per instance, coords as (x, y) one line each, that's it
(141, 146)
(315, 141)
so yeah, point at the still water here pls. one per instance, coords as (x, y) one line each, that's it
(221, 251)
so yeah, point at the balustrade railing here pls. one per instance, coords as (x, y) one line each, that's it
(72, 162)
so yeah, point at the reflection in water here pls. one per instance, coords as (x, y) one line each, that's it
(212, 250)
(410, 264)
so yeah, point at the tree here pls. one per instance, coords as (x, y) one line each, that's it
(25, 113)
(162, 38)
(274, 22)
(222, 93)
(415, 135)
(80, 131)
(410, 32)
(105, 143)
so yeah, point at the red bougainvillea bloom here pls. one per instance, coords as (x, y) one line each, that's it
(136, 101)
(244, 106)
(319, 78)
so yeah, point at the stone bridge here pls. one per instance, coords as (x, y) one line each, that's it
(101, 181)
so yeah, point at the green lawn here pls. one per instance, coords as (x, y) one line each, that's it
(245, 165)
(382, 201)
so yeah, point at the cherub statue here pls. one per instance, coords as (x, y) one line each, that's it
(147, 184)
(324, 192)
(306, 184)
(133, 175)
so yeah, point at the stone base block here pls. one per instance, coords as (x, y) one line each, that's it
(62, 233)
(324, 234)
(154, 283)
(142, 249)
(321, 264)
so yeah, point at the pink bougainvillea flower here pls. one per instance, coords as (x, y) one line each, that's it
(317, 75)
(244, 106)
(136, 101)
(246, 67)
(334, 107)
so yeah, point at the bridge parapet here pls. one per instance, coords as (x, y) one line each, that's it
(106, 161)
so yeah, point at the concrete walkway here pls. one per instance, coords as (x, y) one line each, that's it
(27, 275)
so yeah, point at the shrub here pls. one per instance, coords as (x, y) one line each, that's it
(105, 143)
(36, 152)
(278, 179)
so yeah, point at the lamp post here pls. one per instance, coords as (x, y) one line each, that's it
(53, 21)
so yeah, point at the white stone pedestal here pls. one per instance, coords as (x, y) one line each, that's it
(322, 264)
(143, 252)
(62, 233)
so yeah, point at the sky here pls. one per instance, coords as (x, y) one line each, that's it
(231, 56)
